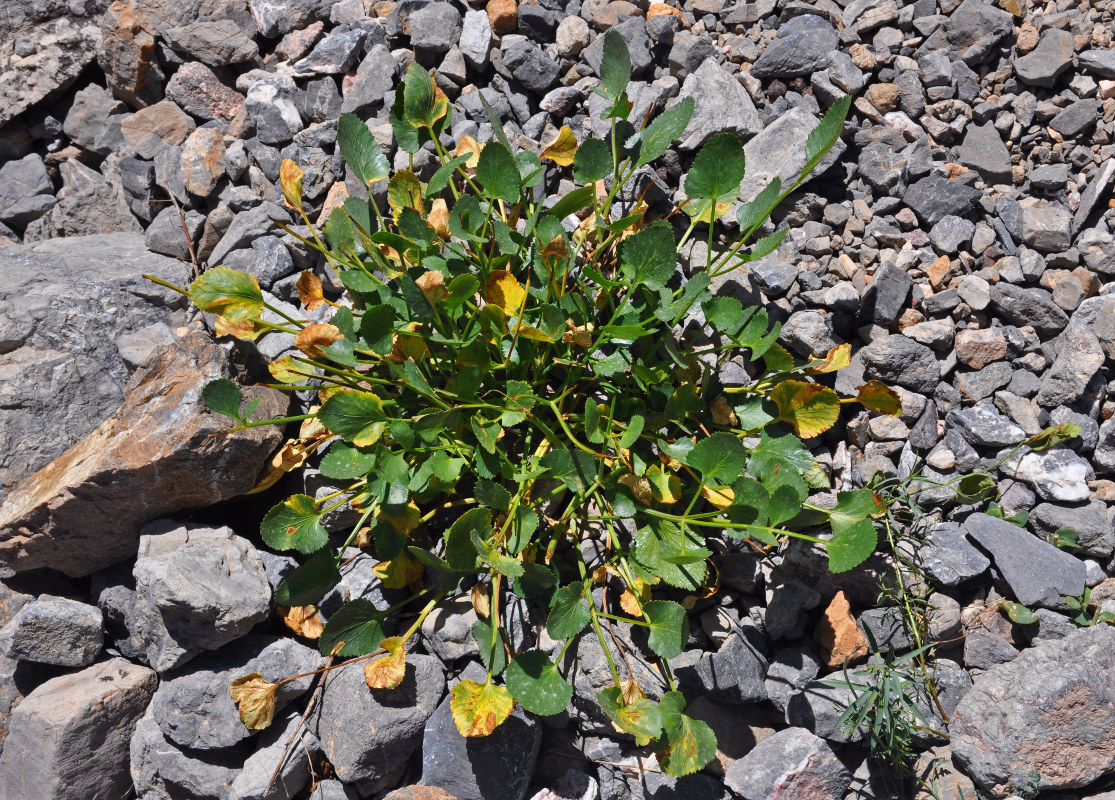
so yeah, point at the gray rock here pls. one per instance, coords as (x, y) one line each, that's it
(983, 426)
(772, 276)
(216, 42)
(275, 18)
(271, 105)
(291, 777)
(983, 150)
(972, 31)
(1057, 474)
(91, 209)
(319, 101)
(804, 46)
(434, 28)
(192, 705)
(900, 360)
(375, 77)
(366, 733)
(1100, 62)
(1014, 722)
(530, 65)
(247, 227)
(447, 630)
(720, 104)
(1093, 523)
(789, 671)
(887, 294)
(165, 234)
(336, 53)
(882, 167)
(163, 771)
(54, 630)
(208, 586)
(1047, 229)
(984, 649)
(777, 150)
(1046, 62)
(1080, 359)
(68, 739)
(792, 762)
(61, 306)
(736, 673)
(88, 114)
(333, 790)
(886, 626)
(476, 38)
(1037, 573)
(934, 197)
(634, 33)
(137, 179)
(1076, 118)
(807, 333)
(268, 259)
(1033, 307)
(817, 708)
(494, 767)
(197, 90)
(981, 384)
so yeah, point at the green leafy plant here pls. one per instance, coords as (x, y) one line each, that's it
(506, 375)
(1086, 612)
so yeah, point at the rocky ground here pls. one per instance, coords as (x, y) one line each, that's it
(961, 240)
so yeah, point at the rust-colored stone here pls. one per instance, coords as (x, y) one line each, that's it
(840, 638)
(420, 793)
(503, 16)
(127, 56)
(159, 455)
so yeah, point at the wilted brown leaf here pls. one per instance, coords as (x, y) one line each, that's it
(290, 456)
(481, 601)
(432, 284)
(387, 672)
(438, 218)
(399, 572)
(303, 620)
(290, 178)
(578, 335)
(245, 329)
(309, 290)
(313, 339)
(255, 700)
(722, 413)
(467, 145)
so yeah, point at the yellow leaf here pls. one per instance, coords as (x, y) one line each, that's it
(578, 335)
(639, 486)
(441, 104)
(387, 672)
(408, 345)
(290, 178)
(312, 428)
(313, 339)
(303, 620)
(432, 284)
(505, 292)
(405, 522)
(290, 456)
(836, 358)
(665, 486)
(532, 333)
(467, 145)
(722, 413)
(245, 329)
(719, 496)
(288, 371)
(481, 601)
(480, 708)
(399, 572)
(877, 396)
(633, 597)
(439, 218)
(255, 700)
(405, 191)
(309, 290)
(563, 148)
(809, 408)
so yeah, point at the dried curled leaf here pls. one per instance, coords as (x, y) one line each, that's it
(634, 596)
(639, 486)
(387, 672)
(467, 145)
(290, 456)
(313, 339)
(438, 219)
(578, 335)
(290, 178)
(303, 620)
(399, 572)
(722, 412)
(309, 290)
(408, 345)
(432, 284)
(480, 708)
(244, 329)
(563, 149)
(877, 396)
(255, 700)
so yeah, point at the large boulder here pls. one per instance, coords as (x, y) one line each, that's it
(69, 309)
(157, 456)
(1048, 715)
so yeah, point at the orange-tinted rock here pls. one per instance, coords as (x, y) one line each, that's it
(127, 56)
(840, 638)
(503, 16)
(419, 793)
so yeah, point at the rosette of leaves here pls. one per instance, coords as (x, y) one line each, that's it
(508, 367)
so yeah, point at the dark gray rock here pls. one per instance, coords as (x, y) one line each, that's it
(952, 234)
(165, 234)
(1037, 573)
(817, 708)
(495, 767)
(216, 42)
(54, 630)
(1092, 521)
(255, 780)
(776, 150)
(948, 557)
(792, 762)
(772, 276)
(367, 733)
(192, 705)
(934, 197)
(164, 771)
(983, 426)
(804, 45)
(268, 259)
(886, 626)
(68, 739)
(529, 64)
(634, 33)
(1033, 307)
(271, 105)
(141, 192)
(1014, 722)
(1080, 359)
(21, 182)
(336, 53)
(789, 671)
(736, 673)
(247, 227)
(887, 294)
(375, 77)
(1047, 229)
(319, 101)
(720, 104)
(897, 359)
(984, 649)
(1099, 62)
(807, 333)
(434, 28)
(983, 150)
(1046, 62)
(972, 31)
(91, 109)
(1077, 118)
(275, 18)
(882, 167)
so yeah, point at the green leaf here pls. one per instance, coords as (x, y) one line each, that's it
(1053, 436)
(852, 546)
(461, 289)
(520, 400)
(377, 328)
(490, 555)
(575, 468)
(492, 494)
(768, 244)
(755, 213)
(1018, 613)
(750, 502)
(537, 684)
(725, 314)
(523, 525)
(498, 174)
(358, 624)
(615, 66)
(592, 163)
(338, 230)
(354, 415)
(687, 744)
(439, 181)
(360, 150)
(642, 718)
(408, 137)
(538, 583)
(420, 103)
(715, 176)
(665, 129)
(720, 457)
(669, 627)
(785, 504)
(824, 136)
(580, 197)
(1062, 538)
(294, 524)
(650, 256)
(568, 615)
(777, 451)
(229, 293)
(344, 462)
(756, 412)
(224, 397)
(852, 508)
(976, 487)
(634, 429)
(308, 583)
(459, 550)
(776, 359)
(492, 652)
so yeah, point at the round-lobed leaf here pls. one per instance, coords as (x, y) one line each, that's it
(294, 524)
(357, 627)
(534, 680)
(229, 293)
(669, 627)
